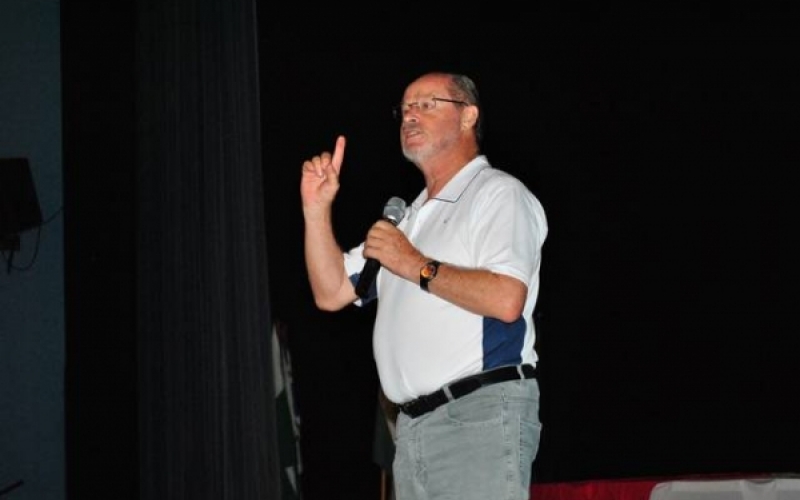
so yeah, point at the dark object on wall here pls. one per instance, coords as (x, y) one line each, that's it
(11, 487)
(19, 205)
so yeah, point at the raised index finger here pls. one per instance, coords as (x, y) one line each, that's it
(338, 153)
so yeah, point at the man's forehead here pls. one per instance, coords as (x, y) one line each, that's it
(426, 87)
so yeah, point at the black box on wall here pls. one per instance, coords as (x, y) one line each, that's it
(19, 205)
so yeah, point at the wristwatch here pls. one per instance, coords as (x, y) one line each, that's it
(427, 273)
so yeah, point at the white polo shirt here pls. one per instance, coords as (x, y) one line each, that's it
(483, 218)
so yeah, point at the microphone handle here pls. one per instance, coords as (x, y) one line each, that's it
(367, 276)
(370, 270)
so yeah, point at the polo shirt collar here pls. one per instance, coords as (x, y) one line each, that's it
(456, 186)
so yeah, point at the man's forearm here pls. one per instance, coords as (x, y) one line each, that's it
(325, 265)
(480, 291)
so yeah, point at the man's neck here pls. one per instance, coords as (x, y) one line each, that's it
(440, 170)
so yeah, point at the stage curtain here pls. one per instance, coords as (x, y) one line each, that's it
(207, 402)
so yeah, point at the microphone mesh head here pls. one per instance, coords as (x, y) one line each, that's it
(395, 210)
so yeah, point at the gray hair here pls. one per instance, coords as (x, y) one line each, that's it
(464, 89)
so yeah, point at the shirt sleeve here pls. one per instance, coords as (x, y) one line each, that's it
(509, 229)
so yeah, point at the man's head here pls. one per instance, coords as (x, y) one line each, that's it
(439, 113)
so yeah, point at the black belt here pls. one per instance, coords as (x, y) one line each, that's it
(464, 386)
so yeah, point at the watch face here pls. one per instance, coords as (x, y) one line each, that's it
(428, 271)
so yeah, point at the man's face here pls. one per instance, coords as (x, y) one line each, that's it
(430, 122)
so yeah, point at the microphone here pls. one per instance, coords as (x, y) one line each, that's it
(394, 211)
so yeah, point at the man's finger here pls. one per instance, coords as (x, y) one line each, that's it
(338, 153)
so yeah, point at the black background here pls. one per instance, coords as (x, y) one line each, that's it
(660, 149)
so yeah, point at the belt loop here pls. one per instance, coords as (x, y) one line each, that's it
(447, 392)
(520, 372)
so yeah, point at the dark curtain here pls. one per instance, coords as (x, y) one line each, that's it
(207, 416)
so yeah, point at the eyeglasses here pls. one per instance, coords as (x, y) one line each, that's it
(423, 106)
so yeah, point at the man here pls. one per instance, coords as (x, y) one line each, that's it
(453, 336)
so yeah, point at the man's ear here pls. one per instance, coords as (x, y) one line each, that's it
(469, 117)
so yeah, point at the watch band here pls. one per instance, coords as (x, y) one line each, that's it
(427, 273)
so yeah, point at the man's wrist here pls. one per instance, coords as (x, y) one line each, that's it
(428, 273)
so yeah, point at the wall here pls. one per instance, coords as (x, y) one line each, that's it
(32, 358)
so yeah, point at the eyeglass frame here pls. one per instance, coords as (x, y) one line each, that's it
(399, 110)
